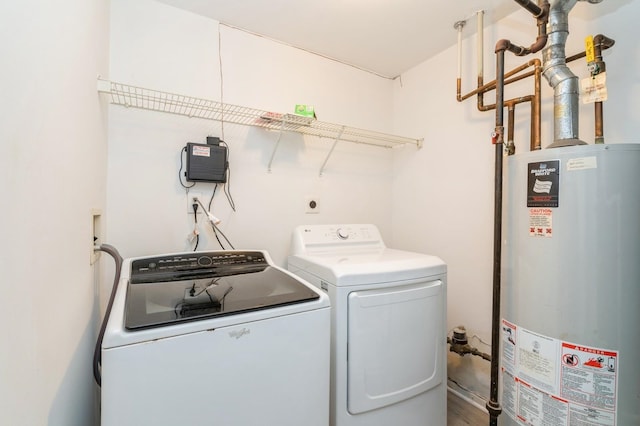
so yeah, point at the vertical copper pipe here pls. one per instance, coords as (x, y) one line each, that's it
(536, 98)
(600, 42)
(511, 109)
(599, 137)
(536, 108)
(542, 19)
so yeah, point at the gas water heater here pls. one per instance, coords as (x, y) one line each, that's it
(570, 330)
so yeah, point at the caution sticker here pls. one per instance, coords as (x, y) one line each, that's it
(541, 222)
(547, 381)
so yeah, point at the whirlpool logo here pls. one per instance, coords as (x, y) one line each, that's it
(239, 333)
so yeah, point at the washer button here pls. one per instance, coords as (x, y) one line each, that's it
(204, 261)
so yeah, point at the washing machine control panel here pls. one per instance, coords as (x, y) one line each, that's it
(187, 266)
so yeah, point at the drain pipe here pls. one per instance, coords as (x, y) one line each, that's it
(493, 406)
(541, 14)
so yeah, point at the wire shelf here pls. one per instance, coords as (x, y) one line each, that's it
(154, 100)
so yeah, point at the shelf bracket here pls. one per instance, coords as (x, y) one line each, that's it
(275, 148)
(335, 142)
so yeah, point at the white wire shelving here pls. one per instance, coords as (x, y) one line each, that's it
(154, 100)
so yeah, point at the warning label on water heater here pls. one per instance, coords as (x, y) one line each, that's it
(543, 184)
(541, 222)
(547, 381)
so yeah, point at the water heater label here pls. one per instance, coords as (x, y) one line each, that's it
(548, 381)
(582, 163)
(541, 222)
(543, 184)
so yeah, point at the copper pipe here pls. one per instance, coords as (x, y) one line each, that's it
(511, 109)
(514, 101)
(541, 14)
(535, 99)
(599, 123)
(599, 43)
(483, 88)
(535, 142)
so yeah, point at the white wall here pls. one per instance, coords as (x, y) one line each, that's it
(52, 174)
(451, 214)
(163, 48)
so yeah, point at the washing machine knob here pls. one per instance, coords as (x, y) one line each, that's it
(342, 234)
(205, 261)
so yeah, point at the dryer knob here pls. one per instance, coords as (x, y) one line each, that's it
(342, 234)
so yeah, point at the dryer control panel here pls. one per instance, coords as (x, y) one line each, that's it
(310, 238)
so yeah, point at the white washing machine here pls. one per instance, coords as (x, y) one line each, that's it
(388, 325)
(215, 338)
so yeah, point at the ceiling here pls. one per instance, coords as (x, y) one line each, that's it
(386, 37)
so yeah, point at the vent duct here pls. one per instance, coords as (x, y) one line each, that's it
(554, 68)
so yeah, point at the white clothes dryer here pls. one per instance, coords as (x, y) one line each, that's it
(388, 325)
(215, 338)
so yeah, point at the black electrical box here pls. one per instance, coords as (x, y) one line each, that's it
(206, 162)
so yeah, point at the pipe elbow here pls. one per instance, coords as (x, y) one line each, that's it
(603, 41)
(502, 45)
(539, 44)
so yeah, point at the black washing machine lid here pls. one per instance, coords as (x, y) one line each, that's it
(172, 289)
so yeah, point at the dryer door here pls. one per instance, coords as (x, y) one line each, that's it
(396, 338)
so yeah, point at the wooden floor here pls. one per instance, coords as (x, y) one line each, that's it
(461, 413)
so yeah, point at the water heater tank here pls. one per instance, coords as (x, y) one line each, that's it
(570, 347)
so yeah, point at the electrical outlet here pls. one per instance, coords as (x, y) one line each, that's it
(312, 205)
(96, 234)
(192, 196)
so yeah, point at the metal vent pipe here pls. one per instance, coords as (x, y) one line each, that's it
(565, 84)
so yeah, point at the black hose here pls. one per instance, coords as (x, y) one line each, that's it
(97, 351)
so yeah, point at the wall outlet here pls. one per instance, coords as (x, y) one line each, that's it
(312, 205)
(96, 234)
(190, 197)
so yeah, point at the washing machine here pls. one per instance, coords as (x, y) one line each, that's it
(388, 325)
(215, 338)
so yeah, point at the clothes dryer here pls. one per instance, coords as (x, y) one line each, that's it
(388, 325)
(215, 338)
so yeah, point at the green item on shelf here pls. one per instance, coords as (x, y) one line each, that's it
(305, 110)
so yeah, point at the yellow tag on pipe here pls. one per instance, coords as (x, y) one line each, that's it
(591, 53)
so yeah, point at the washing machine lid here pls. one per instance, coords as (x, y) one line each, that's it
(178, 288)
(368, 266)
